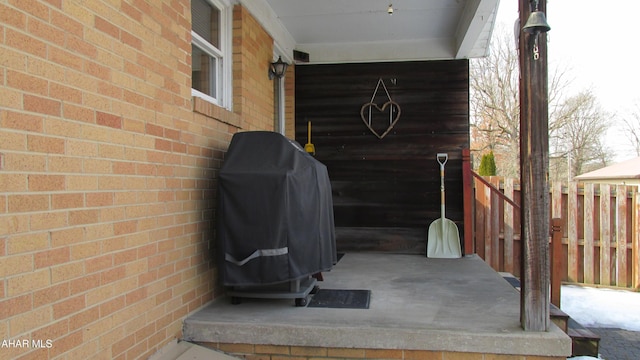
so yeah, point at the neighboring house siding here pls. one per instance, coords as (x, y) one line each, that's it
(107, 172)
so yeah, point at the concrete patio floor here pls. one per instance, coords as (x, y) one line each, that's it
(459, 305)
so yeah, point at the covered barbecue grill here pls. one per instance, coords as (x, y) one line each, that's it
(275, 217)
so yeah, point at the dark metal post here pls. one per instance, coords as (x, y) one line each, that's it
(534, 164)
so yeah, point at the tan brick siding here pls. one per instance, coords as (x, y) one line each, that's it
(290, 102)
(107, 171)
(252, 89)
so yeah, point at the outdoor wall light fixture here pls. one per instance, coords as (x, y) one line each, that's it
(277, 69)
(537, 22)
(390, 9)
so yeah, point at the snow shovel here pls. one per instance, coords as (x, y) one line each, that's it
(308, 147)
(443, 241)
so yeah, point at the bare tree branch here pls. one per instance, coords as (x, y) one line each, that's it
(576, 123)
(631, 129)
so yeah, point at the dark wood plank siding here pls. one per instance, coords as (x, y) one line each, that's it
(386, 191)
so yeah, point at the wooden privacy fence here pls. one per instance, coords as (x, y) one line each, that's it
(600, 229)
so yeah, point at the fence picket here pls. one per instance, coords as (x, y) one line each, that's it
(589, 261)
(605, 234)
(479, 219)
(556, 200)
(636, 240)
(621, 235)
(495, 224)
(488, 253)
(572, 224)
(508, 227)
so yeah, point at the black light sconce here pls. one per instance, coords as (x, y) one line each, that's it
(278, 69)
(537, 22)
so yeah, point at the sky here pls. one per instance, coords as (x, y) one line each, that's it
(594, 41)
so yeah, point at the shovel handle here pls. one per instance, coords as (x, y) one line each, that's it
(442, 159)
(309, 131)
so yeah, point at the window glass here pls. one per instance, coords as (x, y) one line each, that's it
(203, 72)
(206, 21)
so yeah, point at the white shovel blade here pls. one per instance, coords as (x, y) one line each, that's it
(443, 245)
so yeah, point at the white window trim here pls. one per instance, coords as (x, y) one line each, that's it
(223, 55)
(219, 58)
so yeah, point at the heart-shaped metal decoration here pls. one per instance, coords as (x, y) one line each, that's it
(393, 119)
(366, 112)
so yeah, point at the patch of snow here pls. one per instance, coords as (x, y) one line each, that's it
(601, 308)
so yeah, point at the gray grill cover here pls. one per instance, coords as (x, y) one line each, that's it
(275, 212)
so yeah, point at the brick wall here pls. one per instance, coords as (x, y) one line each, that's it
(290, 102)
(107, 172)
(252, 54)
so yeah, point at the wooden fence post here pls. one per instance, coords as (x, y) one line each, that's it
(636, 239)
(556, 260)
(467, 198)
(572, 224)
(488, 253)
(479, 216)
(508, 227)
(495, 225)
(588, 261)
(605, 234)
(621, 235)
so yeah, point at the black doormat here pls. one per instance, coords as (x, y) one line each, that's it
(513, 281)
(341, 299)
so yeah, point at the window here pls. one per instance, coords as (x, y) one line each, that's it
(209, 50)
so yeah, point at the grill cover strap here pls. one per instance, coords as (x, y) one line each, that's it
(258, 253)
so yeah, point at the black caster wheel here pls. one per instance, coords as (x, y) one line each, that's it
(300, 302)
(235, 300)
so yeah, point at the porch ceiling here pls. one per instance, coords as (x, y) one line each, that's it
(338, 31)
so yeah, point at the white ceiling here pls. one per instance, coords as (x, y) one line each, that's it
(336, 31)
